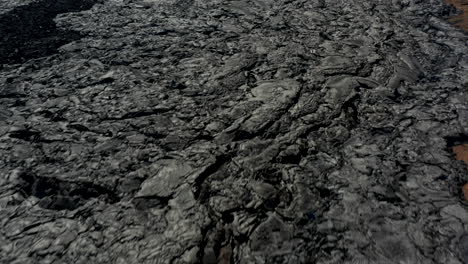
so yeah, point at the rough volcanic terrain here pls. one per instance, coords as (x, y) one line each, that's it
(248, 131)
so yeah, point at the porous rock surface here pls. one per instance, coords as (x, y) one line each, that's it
(249, 131)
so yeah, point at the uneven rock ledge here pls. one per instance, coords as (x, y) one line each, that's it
(250, 131)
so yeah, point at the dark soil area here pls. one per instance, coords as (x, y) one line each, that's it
(29, 31)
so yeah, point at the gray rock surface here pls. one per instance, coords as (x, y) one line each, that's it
(250, 131)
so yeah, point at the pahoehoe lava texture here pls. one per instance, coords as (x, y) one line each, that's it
(249, 131)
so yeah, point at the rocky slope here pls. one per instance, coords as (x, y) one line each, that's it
(250, 131)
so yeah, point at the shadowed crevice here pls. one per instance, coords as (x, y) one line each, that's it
(56, 194)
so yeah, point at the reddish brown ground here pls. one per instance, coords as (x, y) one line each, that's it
(465, 191)
(461, 20)
(461, 152)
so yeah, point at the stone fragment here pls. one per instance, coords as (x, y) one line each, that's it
(169, 177)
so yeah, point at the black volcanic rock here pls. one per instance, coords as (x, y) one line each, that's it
(251, 131)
